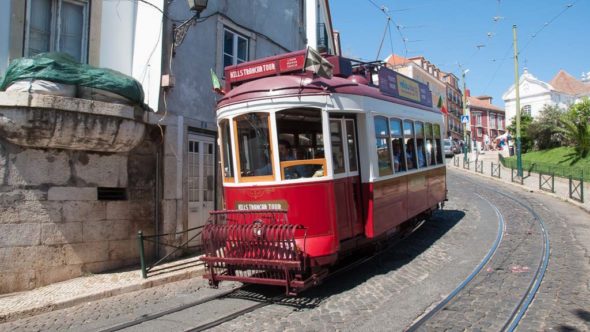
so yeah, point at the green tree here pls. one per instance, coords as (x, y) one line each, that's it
(526, 142)
(547, 129)
(576, 127)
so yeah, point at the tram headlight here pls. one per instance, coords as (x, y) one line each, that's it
(257, 228)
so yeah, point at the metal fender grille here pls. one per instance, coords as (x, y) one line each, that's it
(254, 247)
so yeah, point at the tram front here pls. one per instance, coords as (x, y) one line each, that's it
(279, 224)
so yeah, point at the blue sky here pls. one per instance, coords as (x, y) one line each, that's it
(448, 33)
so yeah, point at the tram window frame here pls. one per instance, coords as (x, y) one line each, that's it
(226, 150)
(383, 136)
(399, 136)
(304, 160)
(410, 142)
(270, 152)
(420, 138)
(429, 139)
(352, 145)
(437, 141)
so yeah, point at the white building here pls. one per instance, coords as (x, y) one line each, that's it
(561, 91)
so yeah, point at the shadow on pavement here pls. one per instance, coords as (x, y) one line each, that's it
(392, 259)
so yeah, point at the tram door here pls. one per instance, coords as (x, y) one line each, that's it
(347, 182)
(201, 182)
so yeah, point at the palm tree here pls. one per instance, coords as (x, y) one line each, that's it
(577, 127)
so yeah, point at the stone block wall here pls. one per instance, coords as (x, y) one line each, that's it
(53, 224)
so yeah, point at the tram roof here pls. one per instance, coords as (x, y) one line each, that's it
(284, 75)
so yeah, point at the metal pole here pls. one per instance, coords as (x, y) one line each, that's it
(464, 124)
(141, 254)
(516, 90)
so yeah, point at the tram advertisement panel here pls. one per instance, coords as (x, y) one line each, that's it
(397, 85)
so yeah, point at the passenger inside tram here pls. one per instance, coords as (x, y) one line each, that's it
(301, 146)
(410, 154)
(399, 162)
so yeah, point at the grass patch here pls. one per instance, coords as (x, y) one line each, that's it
(562, 161)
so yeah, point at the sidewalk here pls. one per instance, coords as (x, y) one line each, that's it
(93, 287)
(530, 181)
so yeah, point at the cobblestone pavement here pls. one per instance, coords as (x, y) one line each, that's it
(488, 301)
(388, 294)
(563, 300)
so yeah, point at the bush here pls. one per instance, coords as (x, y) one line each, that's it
(547, 130)
(576, 127)
(526, 141)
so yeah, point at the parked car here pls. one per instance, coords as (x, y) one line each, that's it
(449, 148)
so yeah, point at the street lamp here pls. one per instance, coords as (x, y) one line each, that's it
(180, 31)
(197, 5)
(464, 113)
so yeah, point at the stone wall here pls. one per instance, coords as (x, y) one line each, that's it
(54, 227)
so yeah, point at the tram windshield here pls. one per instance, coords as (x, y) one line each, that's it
(301, 143)
(253, 141)
(299, 146)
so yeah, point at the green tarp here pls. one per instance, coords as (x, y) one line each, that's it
(62, 68)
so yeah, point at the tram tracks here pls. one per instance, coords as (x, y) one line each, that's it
(261, 301)
(517, 312)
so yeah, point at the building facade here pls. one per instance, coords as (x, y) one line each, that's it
(70, 208)
(227, 33)
(562, 91)
(443, 86)
(454, 104)
(487, 120)
(78, 177)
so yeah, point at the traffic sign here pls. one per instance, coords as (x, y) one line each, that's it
(465, 119)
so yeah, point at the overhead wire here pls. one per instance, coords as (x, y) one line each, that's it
(385, 11)
(534, 35)
(530, 40)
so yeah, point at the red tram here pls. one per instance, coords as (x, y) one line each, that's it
(317, 167)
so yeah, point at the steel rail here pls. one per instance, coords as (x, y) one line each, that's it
(392, 242)
(332, 274)
(149, 317)
(478, 268)
(527, 299)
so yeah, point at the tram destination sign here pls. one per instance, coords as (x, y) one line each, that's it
(267, 67)
(397, 85)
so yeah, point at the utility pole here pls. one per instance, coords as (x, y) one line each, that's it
(465, 142)
(517, 102)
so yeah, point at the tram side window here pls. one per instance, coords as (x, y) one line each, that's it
(420, 146)
(253, 145)
(410, 145)
(228, 166)
(397, 145)
(430, 151)
(382, 141)
(351, 143)
(437, 142)
(337, 146)
(301, 143)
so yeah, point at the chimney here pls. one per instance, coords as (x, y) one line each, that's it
(467, 93)
(487, 99)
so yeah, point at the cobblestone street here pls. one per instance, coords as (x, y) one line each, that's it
(390, 293)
